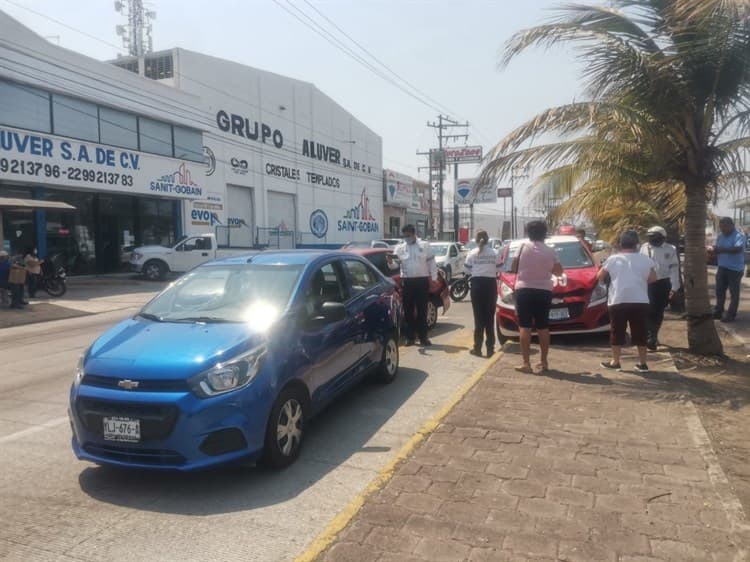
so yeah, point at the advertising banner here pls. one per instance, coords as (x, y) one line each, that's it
(47, 159)
(469, 192)
(463, 154)
(399, 189)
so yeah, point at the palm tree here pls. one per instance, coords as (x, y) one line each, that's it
(667, 112)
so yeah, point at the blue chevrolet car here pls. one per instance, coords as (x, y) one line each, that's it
(231, 360)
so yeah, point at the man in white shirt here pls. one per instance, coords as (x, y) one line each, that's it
(661, 291)
(417, 267)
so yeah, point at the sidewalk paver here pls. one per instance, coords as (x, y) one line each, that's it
(577, 465)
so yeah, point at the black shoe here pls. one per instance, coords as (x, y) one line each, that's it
(727, 319)
(476, 351)
(610, 365)
(24, 303)
(409, 343)
(19, 306)
(652, 346)
(490, 352)
(717, 315)
(641, 368)
(425, 343)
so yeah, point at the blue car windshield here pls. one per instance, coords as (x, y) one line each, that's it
(226, 293)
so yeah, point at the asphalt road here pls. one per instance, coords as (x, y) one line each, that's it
(54, 507)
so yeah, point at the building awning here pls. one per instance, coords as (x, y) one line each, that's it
(33, 204)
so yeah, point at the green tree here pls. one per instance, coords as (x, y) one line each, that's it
(666, 116)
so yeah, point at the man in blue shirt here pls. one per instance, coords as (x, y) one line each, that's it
(730, 257)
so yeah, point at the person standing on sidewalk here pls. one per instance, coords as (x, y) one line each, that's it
(730, 258)
(33, 270)
(629, 274)
(417, 268)
(661, 291)
(482, 264)
(536, 264)
(7, 272)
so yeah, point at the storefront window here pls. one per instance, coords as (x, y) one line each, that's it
(155, 136)
(75, 118)
(188, 144)
(24, 107)
(118, 128)
(71, 237)
(157, 221)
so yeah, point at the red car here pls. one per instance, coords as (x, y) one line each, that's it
(439, 290)
(579, 301)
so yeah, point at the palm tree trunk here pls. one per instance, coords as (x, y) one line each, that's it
(702, 335)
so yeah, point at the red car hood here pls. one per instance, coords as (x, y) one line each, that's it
(577, 279)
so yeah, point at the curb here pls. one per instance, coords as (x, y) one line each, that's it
(340, 521)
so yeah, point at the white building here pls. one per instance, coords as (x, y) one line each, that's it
(172, 144)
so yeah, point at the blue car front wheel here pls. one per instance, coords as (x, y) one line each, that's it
(285, 430)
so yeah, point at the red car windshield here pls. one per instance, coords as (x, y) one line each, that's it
(572, 255)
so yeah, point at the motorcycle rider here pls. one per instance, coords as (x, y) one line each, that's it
(667, 280)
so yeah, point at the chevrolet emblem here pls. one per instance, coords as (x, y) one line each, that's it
(127, 384)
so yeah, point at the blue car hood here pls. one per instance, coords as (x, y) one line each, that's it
(143, 349)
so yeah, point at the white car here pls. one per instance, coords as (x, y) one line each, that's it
(449, 257)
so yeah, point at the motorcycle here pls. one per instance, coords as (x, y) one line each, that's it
(52, 280)
(460, 288)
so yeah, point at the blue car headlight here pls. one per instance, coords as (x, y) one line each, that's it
(229, 375)
(79, 368)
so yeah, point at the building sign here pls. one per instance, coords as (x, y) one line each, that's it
(319, 223)
(359, 218)
(245, 127)
(399, 189)
(207, 212)
(463, 154)
(40, 158)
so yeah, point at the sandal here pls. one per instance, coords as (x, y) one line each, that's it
(542, 367)
(525, 369)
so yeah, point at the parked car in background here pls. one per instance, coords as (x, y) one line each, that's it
(449, 257)
(439, 290)
(579, 301)
(230, 362)
(155, 262)
(366, 244)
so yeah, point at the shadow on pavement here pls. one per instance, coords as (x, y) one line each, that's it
(338, 433)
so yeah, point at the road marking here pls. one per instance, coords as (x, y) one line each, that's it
(341, 520)
(37, 428)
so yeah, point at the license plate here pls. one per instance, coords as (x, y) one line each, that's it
(559, 314)
(122, 429)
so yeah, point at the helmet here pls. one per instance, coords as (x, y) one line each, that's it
(657, 230)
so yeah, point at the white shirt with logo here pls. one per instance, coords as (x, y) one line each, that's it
(484, 263)
(628, 273)
(417, 260)
(667, 262)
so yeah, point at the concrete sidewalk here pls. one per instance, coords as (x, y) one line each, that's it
(85, 295)
(580, 464)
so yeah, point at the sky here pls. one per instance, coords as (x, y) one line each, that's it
(447, 49)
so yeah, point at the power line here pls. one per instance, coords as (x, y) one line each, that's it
(343, 48)
(376, 59)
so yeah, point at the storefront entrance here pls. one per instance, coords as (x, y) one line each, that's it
(98, 236)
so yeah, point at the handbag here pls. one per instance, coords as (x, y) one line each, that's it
(516, 259)
(17, 275)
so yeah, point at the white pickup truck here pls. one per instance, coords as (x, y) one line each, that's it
(154, 262)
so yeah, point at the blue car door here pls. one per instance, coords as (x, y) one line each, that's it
(366, 305)
(330, 349)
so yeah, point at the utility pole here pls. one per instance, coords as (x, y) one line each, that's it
(445, 122)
